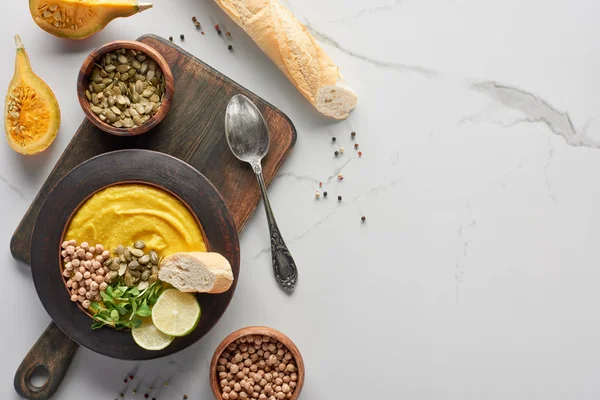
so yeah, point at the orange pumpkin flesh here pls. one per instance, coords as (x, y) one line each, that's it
(31, 113)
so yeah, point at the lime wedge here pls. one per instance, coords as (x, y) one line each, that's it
(150, 338)
(176, 313)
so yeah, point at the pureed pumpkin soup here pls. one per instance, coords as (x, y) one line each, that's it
(128, 213)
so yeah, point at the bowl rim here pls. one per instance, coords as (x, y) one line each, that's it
(263, 331)
(87, 67)
(195, 189)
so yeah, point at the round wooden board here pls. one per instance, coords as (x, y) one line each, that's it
(117, 167)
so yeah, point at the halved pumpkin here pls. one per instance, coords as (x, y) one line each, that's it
(79, 19)
(31, 111)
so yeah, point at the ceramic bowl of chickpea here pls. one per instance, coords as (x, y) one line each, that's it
(257, 363)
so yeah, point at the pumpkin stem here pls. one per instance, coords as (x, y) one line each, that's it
(19, 42)
(144, 6)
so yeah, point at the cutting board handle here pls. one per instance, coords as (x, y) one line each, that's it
(54, 352)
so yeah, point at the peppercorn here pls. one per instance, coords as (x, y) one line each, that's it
(339, 198)
(219, 32)
(228, 34)
(337, 153)
(363, 218)
(333, 139)
(317, 194)
(125, 380)
(340, 177)
(131, 377)
(171, 38)
(122, 395)
(217, 27)
(356, 145)
(146, 395)
(230, 47)
(360, 153)
(324, 194)
(341, 150)
(182, 37)
(185, 396)
(353, 134)
(194, 19)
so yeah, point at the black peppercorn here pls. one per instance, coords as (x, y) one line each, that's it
(219, 31)
(333, 139)
(353, 134)
(324, 194)
(182, 37)
(363, 218)
(146, 395)
(194, 19)
(171, 38)
(340, 198)
(230, 47)
(336, 153)
(185, 396)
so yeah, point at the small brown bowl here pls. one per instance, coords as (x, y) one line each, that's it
(83, 82)
(262, 331)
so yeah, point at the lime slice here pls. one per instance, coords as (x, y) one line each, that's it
(176, 313)
(150, 338)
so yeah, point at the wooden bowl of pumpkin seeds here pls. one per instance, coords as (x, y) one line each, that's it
(125, 88)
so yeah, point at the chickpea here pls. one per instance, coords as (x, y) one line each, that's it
(105, 254)
(268, 377)
(89, 256)
(94, 293)
(88, 281)
(232, 346)
(273, 361)
(285, 388)
(262, 382)
(80, 253)
(267, 369)
(290, 368)
(223, 375)
(244, 347)
(288, 356)
(256, 377)
(222, 361)
(278, 382)
(73, 297)
(243, 340)
(262, 396)
(230, 376)
(225, 355)
(289, 395)
(225, 396)
(101, 271)
(265, 347)
(220, 368)
(266, 339)
(80, 298)
(67, 273)
(234, 369)
(247, 362)
(243, 396)
(89, 296)
(277, 389)
(67, 259)
(237, 387)
(64, 253)
(231, 382)
(286, 379)
(261, 372)
(87, 275)
(257, 388)
(82, 291)
(280, 352)
(292, 384)
(245, 355)
(224, 382)
(240, 375)
(82, 269)
(260, 352)
(228, 365)
(227, 389)
(100, 280)
(267, 354)
(251, 350)
(94, 285)
(246, 371)
(75, 284)
(99, 259)
(257, 341)
(294, 377)
(70, 283)
(85, 246)
(92, 249)
(70, 250)
(233, 395)
(272, 347)
(96, 265)
(255, 395)
(254, 357)
(282, 367)
(86, 304)
(275, 374)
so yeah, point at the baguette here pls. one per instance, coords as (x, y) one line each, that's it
(197, 272)
(293, 49)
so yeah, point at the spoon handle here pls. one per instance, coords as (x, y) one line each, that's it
(284, 266)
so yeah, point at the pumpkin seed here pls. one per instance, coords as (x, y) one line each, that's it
(134, 265)
(137, 121)
(127, 254)
(145, 275)
(114, 266)
(153, 257)
(135, 274)
(143, 285)
(153, 278)
(144, 260)
(96, 110)
(122, 269)
(128, 123)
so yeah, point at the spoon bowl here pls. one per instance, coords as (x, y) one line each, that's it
(246, 130)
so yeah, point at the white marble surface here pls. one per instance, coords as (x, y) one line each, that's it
(476, 275)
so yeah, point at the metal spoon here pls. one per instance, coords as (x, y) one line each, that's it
(248, 138)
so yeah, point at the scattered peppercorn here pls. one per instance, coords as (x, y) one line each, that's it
(337, 153)
(219, 32)
(125, 380)
(353, 134)
(122, 395)
(324, 194)
(333, 139)
(317, 194)
(182, 37)
(171, 38)
(340, 177)
(230, 47)
(228, 34)
(197, 24)
(134, 391)
(340, 198)
(217, 27)
(203, 32)
(356, 145)
(185, 396)
(146, 395)
(194, 19)
(341, 150)
(320, 184)
(131, 377)
(360, 153)
(363, 218)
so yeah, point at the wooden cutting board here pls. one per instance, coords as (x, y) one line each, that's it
(193, 131)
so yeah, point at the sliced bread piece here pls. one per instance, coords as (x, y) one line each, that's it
(197, 272)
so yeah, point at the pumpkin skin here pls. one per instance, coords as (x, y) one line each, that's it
(80, 19)
(31, 111)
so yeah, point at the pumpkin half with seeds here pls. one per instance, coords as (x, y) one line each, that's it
(31, 111)
(79, 19)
